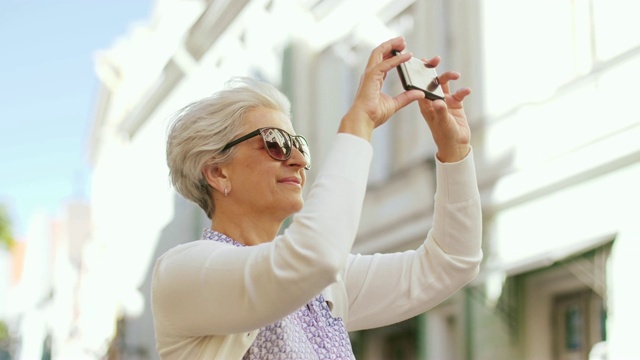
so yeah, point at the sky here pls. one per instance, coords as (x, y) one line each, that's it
(48, 91)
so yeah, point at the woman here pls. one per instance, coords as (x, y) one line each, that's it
(243, 291)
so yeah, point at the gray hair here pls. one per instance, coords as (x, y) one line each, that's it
(200, 130)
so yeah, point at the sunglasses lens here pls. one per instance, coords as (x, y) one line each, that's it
(301, 144)
(277, 143)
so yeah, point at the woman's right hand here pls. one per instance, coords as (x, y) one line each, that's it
(371, 107)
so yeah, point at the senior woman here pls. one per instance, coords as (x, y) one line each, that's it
(242, 290)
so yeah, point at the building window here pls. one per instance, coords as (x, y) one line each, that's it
(578, 324)
(393, 342)
(401, 345)
(564, 307)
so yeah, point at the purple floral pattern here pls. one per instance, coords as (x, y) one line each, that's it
(311, 332)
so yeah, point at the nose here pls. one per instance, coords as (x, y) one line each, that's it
(298, 159)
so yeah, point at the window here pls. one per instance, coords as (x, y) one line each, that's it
(577, 324)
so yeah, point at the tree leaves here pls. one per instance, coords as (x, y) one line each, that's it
(6, 235)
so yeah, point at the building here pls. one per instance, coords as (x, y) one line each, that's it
(555, 149)
(40, 301)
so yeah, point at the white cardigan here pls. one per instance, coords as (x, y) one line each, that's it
(210, 299)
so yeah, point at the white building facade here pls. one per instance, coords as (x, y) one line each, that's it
(553, 136)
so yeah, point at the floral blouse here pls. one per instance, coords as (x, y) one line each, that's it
(311, 332)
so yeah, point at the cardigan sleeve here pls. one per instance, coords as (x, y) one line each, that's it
(208, 288)
(387, 288)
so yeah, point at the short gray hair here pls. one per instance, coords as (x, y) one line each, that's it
(200, 130)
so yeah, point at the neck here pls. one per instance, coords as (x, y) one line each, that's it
(245, 228)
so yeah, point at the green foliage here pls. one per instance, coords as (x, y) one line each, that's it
(4, 331)
(5, 342)
(6, 236)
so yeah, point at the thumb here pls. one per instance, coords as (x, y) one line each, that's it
(407, 98)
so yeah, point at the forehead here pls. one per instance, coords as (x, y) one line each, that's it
(265, 117)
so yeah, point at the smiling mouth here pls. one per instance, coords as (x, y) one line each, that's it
(291, 181)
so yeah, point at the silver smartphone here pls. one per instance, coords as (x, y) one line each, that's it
(417, 75)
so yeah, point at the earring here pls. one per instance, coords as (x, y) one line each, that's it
(226, 192)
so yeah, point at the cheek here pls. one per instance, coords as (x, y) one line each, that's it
(249, 182)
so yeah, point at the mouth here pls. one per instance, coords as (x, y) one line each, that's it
(292, 180)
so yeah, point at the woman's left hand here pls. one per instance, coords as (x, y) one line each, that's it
(446, 118)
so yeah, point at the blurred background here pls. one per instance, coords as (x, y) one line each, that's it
(88, 89)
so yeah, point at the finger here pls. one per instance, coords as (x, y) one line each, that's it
(384, 50)
(394, 61)
(460, 94)
(381, 69)
(444, 79)
(407, 98)
(433, 62)
(441, 111)
(448, 76)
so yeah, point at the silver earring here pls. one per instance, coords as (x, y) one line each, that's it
(226, 192)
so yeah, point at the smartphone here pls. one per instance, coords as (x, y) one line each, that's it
(417, 75)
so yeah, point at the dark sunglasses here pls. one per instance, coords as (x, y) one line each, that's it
(278, 143)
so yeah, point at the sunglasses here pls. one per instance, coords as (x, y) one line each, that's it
(278, 143)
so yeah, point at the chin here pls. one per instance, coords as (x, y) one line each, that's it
(296, 206)
(299, 205)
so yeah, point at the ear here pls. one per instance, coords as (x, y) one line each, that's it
(216, 176)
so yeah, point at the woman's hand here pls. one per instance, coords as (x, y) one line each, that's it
(446, 119)
(372, 108)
